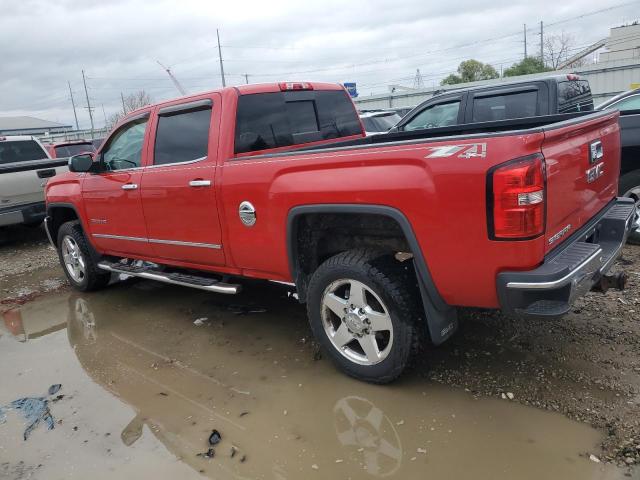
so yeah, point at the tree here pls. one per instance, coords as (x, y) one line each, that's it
(132, 102)
(526, 66)
(556, 49)
(471, 71)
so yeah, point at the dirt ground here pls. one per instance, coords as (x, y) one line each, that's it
(480, 401)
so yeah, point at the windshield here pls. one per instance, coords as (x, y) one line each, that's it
(74, 149)
(20, 151)
(380, 123)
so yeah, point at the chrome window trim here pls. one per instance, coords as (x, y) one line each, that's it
(179, 243)
(196, 160)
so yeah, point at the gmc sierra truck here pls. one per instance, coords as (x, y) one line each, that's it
(383, 236)
(25, 167)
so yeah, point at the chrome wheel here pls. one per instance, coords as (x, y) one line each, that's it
(73, 259)
(357, 322)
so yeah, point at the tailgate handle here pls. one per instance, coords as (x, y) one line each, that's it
(49, 172)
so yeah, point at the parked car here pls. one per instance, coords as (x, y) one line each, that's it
(70, 148)
(382, 236)
(501, 101)
(628, 103)
(375, 122)
(24, 168)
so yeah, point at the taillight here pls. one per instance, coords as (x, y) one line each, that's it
(516, 199)
(286, 86)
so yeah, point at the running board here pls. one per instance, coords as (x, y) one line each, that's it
(174, 278)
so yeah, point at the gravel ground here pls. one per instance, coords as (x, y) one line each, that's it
(585, 365)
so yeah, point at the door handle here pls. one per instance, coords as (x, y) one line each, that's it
(130, 186)
(200, 183)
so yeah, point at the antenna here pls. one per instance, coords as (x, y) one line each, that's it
(173, 79)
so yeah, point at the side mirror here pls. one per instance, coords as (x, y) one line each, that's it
(81, 163)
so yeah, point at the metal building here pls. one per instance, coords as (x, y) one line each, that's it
(30, 126)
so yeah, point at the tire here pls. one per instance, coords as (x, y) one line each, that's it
(386, 320)
(629, 186)
(77, 261)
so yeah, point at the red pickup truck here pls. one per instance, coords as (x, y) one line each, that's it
(383, 236)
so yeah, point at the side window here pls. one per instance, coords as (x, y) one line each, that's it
(125, 147)
(629, 103)
(182, 136)
(502, 107)
(440, 115)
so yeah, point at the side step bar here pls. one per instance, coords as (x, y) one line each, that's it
(174, 278)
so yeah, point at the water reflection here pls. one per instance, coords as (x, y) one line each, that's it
(360, 424)
(286, 415)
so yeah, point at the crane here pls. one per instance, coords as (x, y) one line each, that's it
(173, 79)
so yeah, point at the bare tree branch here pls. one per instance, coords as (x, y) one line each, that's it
(556, 49)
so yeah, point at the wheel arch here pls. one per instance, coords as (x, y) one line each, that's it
(441, 318)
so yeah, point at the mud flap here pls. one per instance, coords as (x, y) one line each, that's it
(441, 324)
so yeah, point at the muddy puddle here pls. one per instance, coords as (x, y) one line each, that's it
(143, 387)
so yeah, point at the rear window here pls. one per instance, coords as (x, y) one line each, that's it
(574, 96)
(502, 107)
(75, 149)
(20, 151)
(272, 120)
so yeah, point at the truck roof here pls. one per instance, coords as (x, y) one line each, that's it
(548, 78)
(17, 138)
(270, 87)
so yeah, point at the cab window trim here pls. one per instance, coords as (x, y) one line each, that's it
(440, 101)
(107, 143)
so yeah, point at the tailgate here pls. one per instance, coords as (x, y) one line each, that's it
(23, 182)
(579, 183)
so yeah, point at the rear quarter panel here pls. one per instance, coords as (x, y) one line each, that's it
(444, 199)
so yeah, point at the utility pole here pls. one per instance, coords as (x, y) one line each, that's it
(84, 81)
(246, 78)
(73, 104)
(124, 109)
(224, 84)
(541, 43)
(525, 40)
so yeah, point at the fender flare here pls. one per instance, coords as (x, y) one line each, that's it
(441, 318)
(70, 206)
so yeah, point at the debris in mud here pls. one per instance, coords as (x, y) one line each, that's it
(208, 454)
(421, 450)
(163, 394)
(33, 409)
(234, 450)
(215, 437)
(243, 458)
(242, 414)
(245, 309)
(593, 458)
(201, 321)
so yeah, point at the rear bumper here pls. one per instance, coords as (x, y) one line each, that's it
(29, 213)
(572, 269)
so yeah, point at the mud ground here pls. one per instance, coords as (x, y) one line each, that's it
(144, 386)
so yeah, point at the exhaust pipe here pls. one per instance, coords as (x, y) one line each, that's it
(617, 281)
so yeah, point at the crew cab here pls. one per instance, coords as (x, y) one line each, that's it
(25, 166)
(501, 101)
(384, 237)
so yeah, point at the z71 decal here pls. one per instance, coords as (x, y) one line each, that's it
(469, 150)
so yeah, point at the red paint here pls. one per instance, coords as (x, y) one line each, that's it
(444, 198)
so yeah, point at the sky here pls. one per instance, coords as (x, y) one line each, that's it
(46, 43)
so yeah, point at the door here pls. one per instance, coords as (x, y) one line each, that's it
(178, 190)
(112, 196)
(441, 114)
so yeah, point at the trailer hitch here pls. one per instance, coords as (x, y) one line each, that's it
(616, 280)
